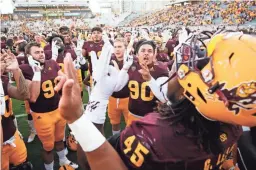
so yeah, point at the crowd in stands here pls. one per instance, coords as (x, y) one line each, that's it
(230, 13)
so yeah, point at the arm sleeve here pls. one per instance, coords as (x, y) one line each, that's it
(159, 92)
(122, 80)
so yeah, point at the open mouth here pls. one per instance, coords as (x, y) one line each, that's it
(145, 59)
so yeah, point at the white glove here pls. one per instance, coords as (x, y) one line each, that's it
(130, 45)
(33, 63)
(184, 37)
(76, 64)
(105, 37)
(82, 60)
(144, 34)
(100, 65)
(104, 88)
(128, 60)
(80, 42)
(55, 52)
(78, 51)
(104, 77)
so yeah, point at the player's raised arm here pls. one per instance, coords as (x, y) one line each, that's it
(35, 84)
(98, 151)
(21, 90)
(123, 77)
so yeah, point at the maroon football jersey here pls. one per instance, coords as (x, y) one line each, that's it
(8, 126)
(90, 46)
(48, 99)
(47, 47)
(60, 58)
(163, 57)
(155, 143)
(22, 60)
(142, 100)
(170, 46)
(124, 93)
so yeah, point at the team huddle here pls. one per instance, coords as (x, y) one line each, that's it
(184, 101)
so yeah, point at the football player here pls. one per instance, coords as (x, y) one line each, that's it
(42, 76)
(127, 37)
(14, 152)
(197, 131)
(144, 77)
(161, 56)
(171, 44)
(118, 102)
(22, 59)
(95, 45)
(65, 32)
(58, 54)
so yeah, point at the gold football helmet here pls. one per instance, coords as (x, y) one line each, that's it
(220, 80)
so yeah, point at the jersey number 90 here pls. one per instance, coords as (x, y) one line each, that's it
(140, 90)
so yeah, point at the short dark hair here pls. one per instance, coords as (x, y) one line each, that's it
(9, 42)
(63, 29)
(143, 42)
(97, 29)
(54, 36)
(3, 38)
(30, 45)
(127, 32)
(21, 46)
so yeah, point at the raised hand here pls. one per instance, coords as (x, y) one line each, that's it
(70, 104)
(145, 73)
(55, 49)
(10, 60)
(100, 66)
(128, 60)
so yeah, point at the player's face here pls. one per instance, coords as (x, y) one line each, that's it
(146, 54)
(96, 36)
(67, 38)
(37, 54)
(119, 49)
(37, 38)
(127, 36)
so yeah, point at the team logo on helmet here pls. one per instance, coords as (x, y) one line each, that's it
(241, 96)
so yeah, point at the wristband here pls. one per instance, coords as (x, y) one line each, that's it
(87, 135)
(37, 76)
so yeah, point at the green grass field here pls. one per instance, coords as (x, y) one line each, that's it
(34, 148)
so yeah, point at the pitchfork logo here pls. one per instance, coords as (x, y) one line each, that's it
(242, 96)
